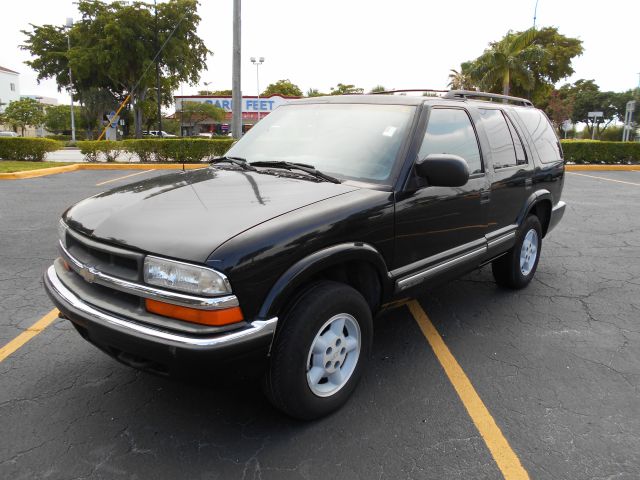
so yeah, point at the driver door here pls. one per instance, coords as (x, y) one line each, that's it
(437, 224)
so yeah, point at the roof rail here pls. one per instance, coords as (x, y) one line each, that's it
(492, 96)
(410, 90)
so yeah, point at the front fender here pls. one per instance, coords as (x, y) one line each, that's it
(309, 266)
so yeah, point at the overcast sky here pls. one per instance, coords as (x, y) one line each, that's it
(398, 44)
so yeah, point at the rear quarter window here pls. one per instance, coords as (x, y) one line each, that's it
(542, 134)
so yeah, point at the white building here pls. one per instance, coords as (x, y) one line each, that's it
(43, 100)
(9, 87)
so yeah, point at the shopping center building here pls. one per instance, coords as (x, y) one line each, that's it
(253, 108)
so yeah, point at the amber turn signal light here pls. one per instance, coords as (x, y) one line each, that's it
(215, 318)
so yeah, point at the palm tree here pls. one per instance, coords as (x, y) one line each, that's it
(459, 80)
(503, 62)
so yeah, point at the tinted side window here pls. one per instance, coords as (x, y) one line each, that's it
(450, 131)
(543, 136)
(503, 151)
(521, 156)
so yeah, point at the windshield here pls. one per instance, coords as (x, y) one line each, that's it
(349, 141)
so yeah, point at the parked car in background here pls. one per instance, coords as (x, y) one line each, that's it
(8, 134)
(156, 133)
(280, 254)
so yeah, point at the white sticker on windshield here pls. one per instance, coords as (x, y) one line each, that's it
(389, 131)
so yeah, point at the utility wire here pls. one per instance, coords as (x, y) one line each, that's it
(159, 51)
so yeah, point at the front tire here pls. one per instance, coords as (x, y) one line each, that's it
(320, 352)
(517, 267)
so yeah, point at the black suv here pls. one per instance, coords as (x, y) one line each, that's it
(279, 254)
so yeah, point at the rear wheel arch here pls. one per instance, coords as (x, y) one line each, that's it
(538, 204)
(542, 210)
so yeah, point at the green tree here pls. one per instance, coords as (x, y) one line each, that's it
(503, 62)
(171, 125)
(95, 102)
(216, 93)
(378, 89)
(459, 80)
(345, 89)
(284, 88)
(314, 92)
(22, 113)
(549, 63)
(57, 118)
(525, 63)
(587, 97)
(113, 47)
(194, 113)
(150, 104)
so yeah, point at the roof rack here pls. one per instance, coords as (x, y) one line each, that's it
(410, 90)
(492, 96)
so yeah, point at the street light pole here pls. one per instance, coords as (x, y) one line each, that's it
(73, 120)
(236, 125)
(257, 63)
(158, 93)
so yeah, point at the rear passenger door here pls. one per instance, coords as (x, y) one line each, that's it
(511, 172)
(438, 224)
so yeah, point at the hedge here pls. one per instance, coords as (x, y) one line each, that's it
(594, 151)
(62, 138)
(27, 149)
(193, 150)
(187, 150)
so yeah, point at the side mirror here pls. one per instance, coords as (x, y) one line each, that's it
(443, 170)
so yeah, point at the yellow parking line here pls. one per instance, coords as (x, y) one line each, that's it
(123, 177)
(604, 178)
(28, 334)
(508, 462)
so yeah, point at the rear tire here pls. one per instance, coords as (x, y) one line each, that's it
(320, 351)
(516, 268)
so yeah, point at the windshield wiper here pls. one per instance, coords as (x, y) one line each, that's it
(241, 162)
(310, 169)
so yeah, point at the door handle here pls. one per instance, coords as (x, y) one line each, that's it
(485, 196)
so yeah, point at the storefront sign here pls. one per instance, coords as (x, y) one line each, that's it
(249, 104)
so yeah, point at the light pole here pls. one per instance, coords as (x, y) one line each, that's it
(73, 121)
(236, 124)
(257, 63)
(158, 93)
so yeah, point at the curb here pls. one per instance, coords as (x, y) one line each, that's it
(96, 166)
(190, 166)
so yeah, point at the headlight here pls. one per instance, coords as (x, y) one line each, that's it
(62, 232)
(184, 277)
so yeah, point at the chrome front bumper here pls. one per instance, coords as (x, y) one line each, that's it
(80, 312)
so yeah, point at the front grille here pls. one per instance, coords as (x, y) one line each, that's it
(123, 264)
(106, 258)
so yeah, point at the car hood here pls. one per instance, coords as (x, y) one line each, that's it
(187, 215)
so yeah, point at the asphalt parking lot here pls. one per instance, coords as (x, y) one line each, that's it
(557, 366)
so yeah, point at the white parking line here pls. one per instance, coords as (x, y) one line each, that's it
(604, 178)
